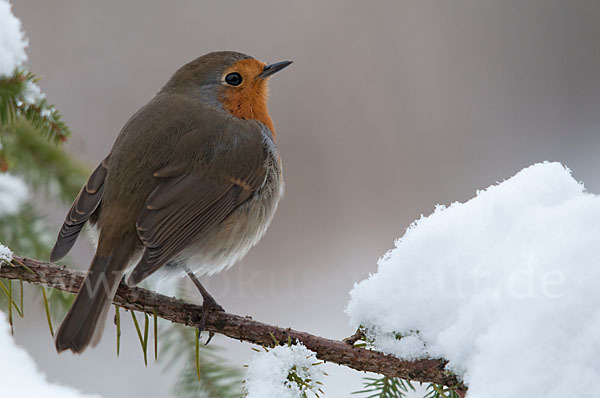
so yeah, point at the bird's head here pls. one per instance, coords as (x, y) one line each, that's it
(230, 80)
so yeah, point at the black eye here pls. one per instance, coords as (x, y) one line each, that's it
(233, 79)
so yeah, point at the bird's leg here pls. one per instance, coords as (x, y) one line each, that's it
(208, 304)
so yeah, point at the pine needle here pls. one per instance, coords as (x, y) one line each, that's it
(10, 301)
(146, 327)
(118, 322)
(139, 332)
(9, 296)
(155, 336)
(218, 379)
(198, 353)
(21, 297)
(47, 307)
(275, 341)
(385, 387)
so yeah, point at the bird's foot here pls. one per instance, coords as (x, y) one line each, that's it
(209, 304)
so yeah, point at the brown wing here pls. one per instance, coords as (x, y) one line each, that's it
(85, 204)
(180, 210)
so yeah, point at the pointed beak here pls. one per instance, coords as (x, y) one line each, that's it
(271, 69)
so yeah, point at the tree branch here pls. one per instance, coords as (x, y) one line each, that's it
(235, 326)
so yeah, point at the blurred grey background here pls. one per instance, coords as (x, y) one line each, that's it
(389, 108)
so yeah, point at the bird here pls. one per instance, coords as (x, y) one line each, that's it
(190, 185)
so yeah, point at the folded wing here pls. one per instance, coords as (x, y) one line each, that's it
(85, 204)
(180, 210)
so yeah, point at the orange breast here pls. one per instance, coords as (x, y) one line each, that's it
(249, 100)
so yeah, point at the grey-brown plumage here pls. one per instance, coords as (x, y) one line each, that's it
(190, 181)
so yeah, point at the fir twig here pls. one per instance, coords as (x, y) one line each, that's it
(43, 164)
(441, 391)
(385, 387)
(217, 379)
(14, 103)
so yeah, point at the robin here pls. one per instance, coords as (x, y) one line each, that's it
(190, 185)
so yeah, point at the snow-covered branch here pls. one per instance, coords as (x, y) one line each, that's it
(235, 326)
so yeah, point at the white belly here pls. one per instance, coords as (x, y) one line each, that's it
(229, 241)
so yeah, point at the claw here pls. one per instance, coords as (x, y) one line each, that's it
(210, 336)
(208, 305)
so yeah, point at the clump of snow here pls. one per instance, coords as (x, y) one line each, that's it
(504, 286)
(32, 95)
(12, 41)
(6, 255)
(12, 51)
(13, 192)
(19, 377)
(267, 374)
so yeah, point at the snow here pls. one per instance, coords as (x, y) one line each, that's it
(12, 51)
(267, 374)
(12, 41)
(13, 192)
(5, 254)
(33, 95)
(504, 286)
(19, 377)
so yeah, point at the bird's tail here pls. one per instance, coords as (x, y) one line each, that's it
(84, 323)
